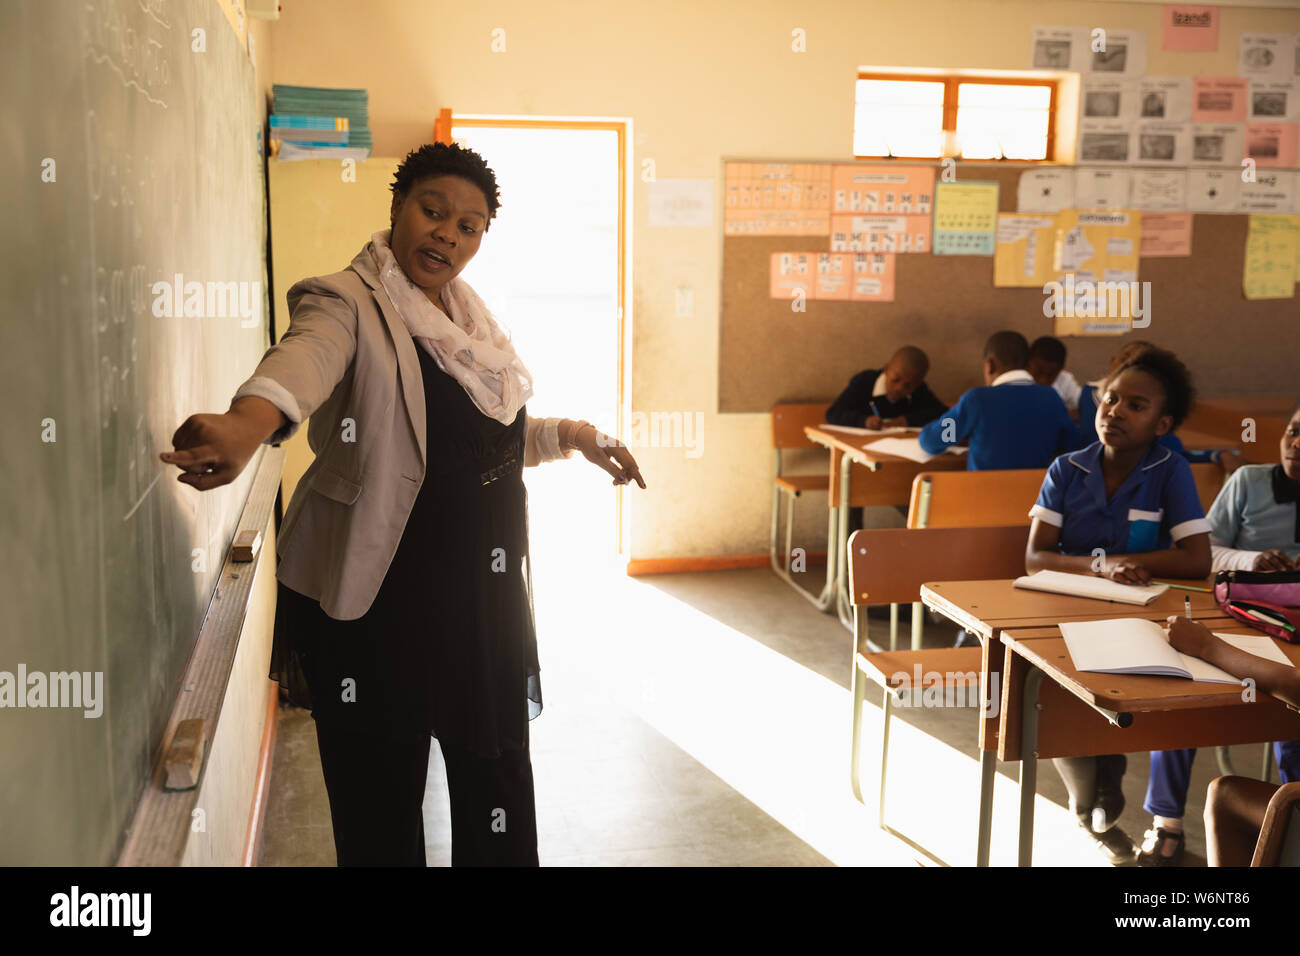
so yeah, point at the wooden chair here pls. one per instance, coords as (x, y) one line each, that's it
(788, 423)
(1279, 837)
(888, 566)
(1209, 479)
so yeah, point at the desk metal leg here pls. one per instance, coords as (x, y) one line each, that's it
(840, 596)
(988, 773)
(918, 625)
(1028, 764)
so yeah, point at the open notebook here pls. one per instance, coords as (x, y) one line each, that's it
(1090, 586)
(849, 429)
(909, 448)
(1132, 646)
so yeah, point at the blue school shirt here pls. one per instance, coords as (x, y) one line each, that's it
(1088, 429)
(1155, 506)
(1014, 423)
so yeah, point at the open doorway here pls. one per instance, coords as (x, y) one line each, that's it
(552, 269)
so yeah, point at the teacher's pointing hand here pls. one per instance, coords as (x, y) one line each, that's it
(609, 453)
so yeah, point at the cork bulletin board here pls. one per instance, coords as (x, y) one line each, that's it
(948, 306)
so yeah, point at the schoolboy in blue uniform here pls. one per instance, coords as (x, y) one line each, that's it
(1010, 422)
(1132, 498)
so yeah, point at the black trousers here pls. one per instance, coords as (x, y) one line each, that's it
(375, 779)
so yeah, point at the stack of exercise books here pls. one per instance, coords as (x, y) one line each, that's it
(309, 122)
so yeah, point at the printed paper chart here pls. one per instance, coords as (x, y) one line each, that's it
(776, 199)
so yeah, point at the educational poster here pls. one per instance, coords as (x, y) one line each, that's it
(1219, 99)
(1267, 55)
(1272, 246)
(833, 276)
(1167, 98)
(1045, 190)
(1166, 234)
(1274, 101)
(893, 190)
(1093, 247)
(1159, 189)
(1192, 28)
(965, 218)
(1213, 190)
(1101, 188)
(792, 271)
(1106, 141)
(1273, 191)
(1024, 250)
(1108, 98)
(1060, 48)
(1163, 144)
(1117, 53)
(776, 199)
(1217, 144)
(830, 276)
(850, 233)
(1272, 144)
(873, 277)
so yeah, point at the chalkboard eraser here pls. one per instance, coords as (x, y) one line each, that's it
(246, 545)
(185, 755)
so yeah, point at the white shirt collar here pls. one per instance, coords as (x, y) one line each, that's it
(1015, 375)
(879, 388)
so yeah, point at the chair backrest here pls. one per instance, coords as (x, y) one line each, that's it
(1279, 837)
(889, 565)
(965, 499)
(961, 499)
(1209, 479)
(789, 421)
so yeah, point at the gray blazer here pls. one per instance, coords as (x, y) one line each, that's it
(348, 361)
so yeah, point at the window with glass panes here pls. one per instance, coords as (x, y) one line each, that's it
(915, 117)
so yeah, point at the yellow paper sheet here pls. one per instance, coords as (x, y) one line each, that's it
(1095, 258)
(1271, 268)
(1024, 251)
(965, 218)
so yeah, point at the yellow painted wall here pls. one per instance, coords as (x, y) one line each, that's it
(319, 222)
(700, 81)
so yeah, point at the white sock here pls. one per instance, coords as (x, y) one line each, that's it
(1172, 824)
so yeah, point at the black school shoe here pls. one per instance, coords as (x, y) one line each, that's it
(1114, 844)
(1156, 840)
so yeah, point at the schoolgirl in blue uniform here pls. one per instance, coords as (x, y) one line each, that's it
(1124, 508)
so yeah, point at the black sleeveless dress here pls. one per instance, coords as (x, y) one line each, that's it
(449, 643)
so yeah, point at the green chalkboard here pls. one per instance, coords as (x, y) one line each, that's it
(132, 157)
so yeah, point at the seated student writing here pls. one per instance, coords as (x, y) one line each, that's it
(1088, 401)
(888, 397)
(1234, 810)
(1113, 509)
(1253, 527)
(1047, 366)
(1011, 421)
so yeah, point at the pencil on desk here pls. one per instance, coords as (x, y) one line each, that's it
(1182, 587)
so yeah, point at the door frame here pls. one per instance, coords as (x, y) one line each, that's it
(622, 127)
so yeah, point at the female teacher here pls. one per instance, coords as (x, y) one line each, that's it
(405, 602)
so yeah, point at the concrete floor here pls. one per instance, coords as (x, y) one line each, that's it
(702, 720)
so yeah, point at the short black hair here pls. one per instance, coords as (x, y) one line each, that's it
(1010, 349)
(1049, 349)
(1166, 368)
(439, 159)
(913, 359)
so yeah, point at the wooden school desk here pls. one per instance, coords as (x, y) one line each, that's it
(1049, 709)
(886, 480)
(985, 608)
(1222, 418)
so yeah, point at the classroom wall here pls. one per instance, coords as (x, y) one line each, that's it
(700, 81)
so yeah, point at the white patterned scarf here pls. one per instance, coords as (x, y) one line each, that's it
(470, 346)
